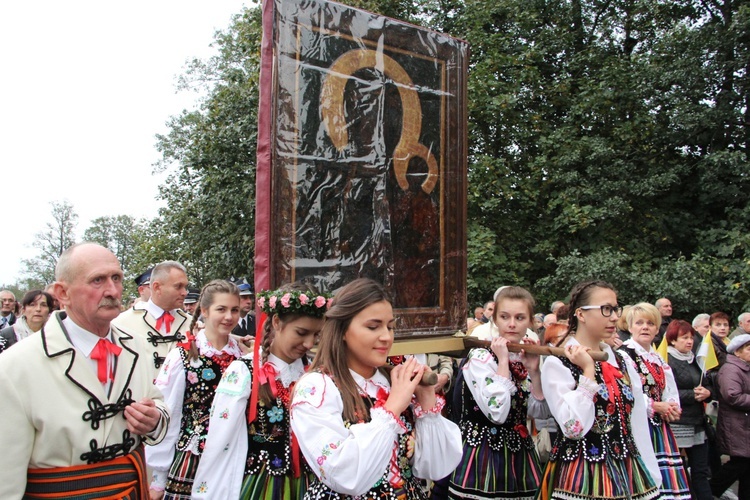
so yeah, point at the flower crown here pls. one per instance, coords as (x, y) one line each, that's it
(281, 302)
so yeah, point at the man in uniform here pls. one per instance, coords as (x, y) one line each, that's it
(160, 321)
(143, 282)
(77, 400)
(191, 300)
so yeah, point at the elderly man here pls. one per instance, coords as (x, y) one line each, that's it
(743, 325)
(664, 305)
(78, 399)
(7, 316)
(160, 321)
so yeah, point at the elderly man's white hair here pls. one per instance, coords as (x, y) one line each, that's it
(742, 317)
(700, 318)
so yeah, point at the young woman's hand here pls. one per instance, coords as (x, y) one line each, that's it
(499, 346)
(404, 380)
(530, 361)
(579, 356)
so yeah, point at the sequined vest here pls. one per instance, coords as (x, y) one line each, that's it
(610, 434)
(269, 435)
(382, 489)
(202, 377)
(512, 434)
(653, 379)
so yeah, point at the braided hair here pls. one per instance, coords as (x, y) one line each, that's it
(580, 296)
(269, 333)
(205, 301)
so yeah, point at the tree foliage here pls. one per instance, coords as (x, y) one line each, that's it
(59, 234)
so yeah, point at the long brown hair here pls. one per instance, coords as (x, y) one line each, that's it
(332, 351)
(205, 301)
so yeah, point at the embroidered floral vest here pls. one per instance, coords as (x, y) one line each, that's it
(202, 377)
(610, 434)
(383, 489)
(476, 428)
(653, 379)
(269, 436)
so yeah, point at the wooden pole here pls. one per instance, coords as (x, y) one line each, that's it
(542, 350)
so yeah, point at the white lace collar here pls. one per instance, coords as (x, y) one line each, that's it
(287, 373)
(371, 385)
(206, 349)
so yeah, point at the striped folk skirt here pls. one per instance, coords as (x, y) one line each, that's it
(674, 481)
(265, 486)
(488, 474)
(611, 479)
(181, 476)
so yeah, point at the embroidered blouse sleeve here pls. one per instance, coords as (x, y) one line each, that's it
(572, 407)
(639, 423)
(438, 447)
(222, 465)
(348, 460)
(491, 391)
(671, 393)
(171, 382)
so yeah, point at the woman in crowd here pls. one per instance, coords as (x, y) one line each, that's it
(662, 398)
(249, 452)
(188, 381)
(734, 418)
(603, 449)
(689, 429)
(498, 392)
(36, 306)
(363, 433)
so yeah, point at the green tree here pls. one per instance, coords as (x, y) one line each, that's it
(59, 234)
(120, 234)
(209, 153)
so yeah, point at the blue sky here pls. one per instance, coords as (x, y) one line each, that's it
(85, 87)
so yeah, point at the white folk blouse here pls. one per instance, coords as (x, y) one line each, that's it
(493, 392)
(171, 382)
(573, 407)
(350, 460)
(222, 466)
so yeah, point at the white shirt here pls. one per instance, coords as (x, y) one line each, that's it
(171, 382)
(351, 460)
(222, 466)
(574, 409)
(85, 341)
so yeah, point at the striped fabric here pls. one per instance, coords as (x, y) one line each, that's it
(122, 477)
(611, 479)
(265, 486)
(674, 485)
(487, 474)
(181, 476)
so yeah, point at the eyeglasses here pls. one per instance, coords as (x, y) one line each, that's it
(606, 309)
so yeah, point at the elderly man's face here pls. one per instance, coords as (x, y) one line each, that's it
(702, 327)
(92, 297)
(665, 308)
(745, 323)
(8, 303)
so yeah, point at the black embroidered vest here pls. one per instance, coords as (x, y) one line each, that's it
(610, 434)
(200, 386)
(653, 386)
(512, 434)
(269, 436)
(382, 489)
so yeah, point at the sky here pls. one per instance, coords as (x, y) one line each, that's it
(84, 88)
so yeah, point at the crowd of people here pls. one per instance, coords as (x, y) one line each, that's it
(180, 396)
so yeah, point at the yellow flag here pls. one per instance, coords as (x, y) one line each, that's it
(706, 356)
(662, 349)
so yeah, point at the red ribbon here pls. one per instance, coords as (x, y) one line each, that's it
(295, 455)
(610, 374)
(101, 353)
(267, 375)
(189, 339)
(252, 409)
(522, 430)
(166, 320)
